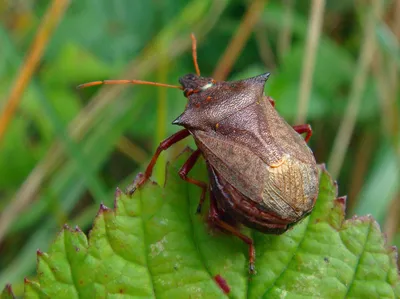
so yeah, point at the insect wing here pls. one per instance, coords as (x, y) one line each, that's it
(264, 166)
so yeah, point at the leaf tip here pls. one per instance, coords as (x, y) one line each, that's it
(9, 290)
(117, 196)
(394, 253)
(341, 203)
(132, 187)
(341, 199)
(117, 193)
(39, 252)
(103, 208)
(324, 172)
(365, 218)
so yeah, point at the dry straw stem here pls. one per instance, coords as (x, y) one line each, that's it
(162, 108)
(83, 122)
(346, 128)
(394, 75)
(52, 17)
(361, 162)
(131, 150)
(390, 109)
(285, 37)
(264, 47)
(237, 43)
(385, 70)
(392, 219)
(310, 54)
(381, 76)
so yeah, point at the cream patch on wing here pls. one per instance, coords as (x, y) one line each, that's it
(280, 161)
(284, 191)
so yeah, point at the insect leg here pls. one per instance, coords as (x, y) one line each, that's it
(271, 101)
(214, 216)
(183, 172)
(304, 129)
(178, 136)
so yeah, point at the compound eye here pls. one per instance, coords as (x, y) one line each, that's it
(191, 77)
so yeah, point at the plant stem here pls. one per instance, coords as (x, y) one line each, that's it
(346, 128)
(238, 41)
(49, 23)
(310, 54)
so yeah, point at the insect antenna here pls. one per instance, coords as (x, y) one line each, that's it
(140, 82)
(194, 54)
(136, 82)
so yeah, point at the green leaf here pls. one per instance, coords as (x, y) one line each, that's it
(153, 245)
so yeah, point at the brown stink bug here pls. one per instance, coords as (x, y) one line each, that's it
(262, 173)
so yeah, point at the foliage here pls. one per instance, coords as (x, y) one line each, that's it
(153, 245)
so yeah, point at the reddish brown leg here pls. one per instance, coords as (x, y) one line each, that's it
(304, 129)
(271, 101)
(215, 218)
(163, 146)
(183, 172)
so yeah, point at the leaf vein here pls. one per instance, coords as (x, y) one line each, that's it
(70, 264)
(291, 259)
(196, 245)
(145, 248)
(350, 285)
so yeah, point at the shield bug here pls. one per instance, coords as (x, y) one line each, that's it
(262, 173)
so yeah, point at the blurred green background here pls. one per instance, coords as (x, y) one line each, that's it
(65, 150)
